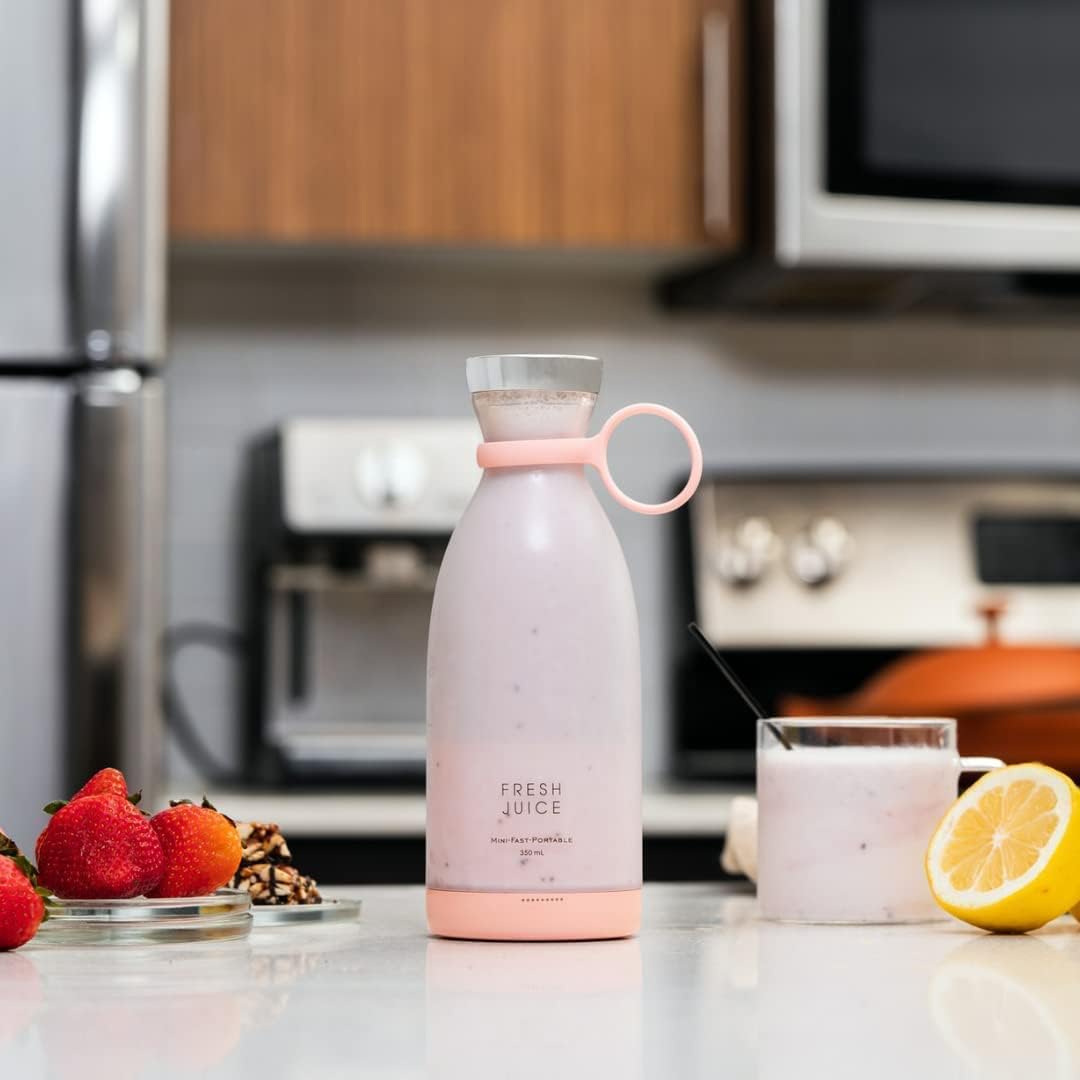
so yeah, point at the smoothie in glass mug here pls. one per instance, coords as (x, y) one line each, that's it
(845, 816)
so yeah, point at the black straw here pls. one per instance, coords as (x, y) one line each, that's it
(736, 683)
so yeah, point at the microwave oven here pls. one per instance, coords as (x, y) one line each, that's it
(910, 148)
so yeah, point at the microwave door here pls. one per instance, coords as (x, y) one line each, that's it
(927, 135)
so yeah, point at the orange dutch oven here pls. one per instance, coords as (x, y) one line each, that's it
(1016, 702)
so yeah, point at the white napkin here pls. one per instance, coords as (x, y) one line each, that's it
(740, 844)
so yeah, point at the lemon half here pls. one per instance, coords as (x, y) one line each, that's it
(1006, 856)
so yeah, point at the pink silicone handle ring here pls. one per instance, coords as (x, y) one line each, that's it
(599, 445)
(525, 452)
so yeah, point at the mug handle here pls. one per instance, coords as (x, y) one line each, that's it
(980, 764)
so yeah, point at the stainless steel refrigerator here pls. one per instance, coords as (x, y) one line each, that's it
(83, 86)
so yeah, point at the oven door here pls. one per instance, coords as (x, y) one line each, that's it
(927, 133)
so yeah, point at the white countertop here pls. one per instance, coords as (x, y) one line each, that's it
(665, 812)
(706, 990)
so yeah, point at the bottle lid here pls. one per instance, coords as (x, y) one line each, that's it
(538, 371)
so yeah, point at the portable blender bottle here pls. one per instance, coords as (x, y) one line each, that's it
(533, 682)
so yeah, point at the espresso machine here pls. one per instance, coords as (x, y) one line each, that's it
(346, 525)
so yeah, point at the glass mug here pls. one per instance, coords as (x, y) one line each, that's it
(845, 815)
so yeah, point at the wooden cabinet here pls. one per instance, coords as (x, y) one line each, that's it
(479, 122)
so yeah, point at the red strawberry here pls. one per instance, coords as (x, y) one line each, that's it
(99, 847)
(21, 909)
(202, 849)
(104, 782)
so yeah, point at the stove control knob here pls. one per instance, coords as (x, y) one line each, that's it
(746, 551)
(820, 552)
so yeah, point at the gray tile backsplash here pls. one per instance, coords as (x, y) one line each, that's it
(255, 341)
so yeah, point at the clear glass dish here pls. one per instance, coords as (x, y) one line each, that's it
(221, 917)
(329, 911)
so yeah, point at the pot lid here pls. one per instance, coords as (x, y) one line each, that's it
(993, 677)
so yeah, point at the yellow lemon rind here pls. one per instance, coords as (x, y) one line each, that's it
(1051, 892)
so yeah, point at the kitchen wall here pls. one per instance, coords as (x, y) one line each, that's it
(254, 341)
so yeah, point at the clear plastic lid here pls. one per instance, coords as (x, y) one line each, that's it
(537, 371)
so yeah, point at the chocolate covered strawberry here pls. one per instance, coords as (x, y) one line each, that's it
(99, 847)
(202, 849)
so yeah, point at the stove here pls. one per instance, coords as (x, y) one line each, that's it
(812, 583)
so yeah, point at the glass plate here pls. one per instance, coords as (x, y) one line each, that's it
(329, 911)
(225, 915)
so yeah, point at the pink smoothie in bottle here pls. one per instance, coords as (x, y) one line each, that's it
(534, 711)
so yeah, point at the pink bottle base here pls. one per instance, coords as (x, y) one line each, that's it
(489, 916)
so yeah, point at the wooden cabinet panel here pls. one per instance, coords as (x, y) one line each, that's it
(513, 122)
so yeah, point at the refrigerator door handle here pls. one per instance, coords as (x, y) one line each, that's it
(121, 71)
(116, 578)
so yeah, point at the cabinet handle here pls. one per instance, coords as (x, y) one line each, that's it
(721, 125)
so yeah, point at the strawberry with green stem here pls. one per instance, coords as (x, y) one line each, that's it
(103, 782)
(99, 847)
(22, 899)
(202, 849)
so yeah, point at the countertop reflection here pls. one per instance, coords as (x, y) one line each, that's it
(707, 990)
